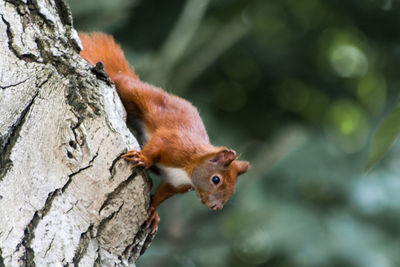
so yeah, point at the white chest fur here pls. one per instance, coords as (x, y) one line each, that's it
(175, 176)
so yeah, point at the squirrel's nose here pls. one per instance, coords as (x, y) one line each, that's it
(214, 203)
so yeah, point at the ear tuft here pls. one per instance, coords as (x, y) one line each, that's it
(242, 166)
(224, 157)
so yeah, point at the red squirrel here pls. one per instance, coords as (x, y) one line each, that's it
(177, 142)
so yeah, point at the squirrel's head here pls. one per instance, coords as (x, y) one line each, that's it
(214, 178)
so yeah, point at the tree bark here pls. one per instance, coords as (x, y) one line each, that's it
(66, 197)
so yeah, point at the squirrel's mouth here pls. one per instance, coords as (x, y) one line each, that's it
(216, 207)
(212, 205)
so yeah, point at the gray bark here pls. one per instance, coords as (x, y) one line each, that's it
(66, 198)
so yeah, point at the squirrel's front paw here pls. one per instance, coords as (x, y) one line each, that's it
(153, 220)
(139, 160)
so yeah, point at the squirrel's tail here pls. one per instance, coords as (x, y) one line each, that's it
(135, 95)
(100, 47)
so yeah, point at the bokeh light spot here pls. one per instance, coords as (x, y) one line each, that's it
(348, 61)
(347, 125)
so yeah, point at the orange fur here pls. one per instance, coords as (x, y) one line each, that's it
(99, 47)
(178, 136)
(176, 121)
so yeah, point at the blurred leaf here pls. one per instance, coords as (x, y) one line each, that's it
(384, 137)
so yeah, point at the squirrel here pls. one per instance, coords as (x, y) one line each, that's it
(176, 141)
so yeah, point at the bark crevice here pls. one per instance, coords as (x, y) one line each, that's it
(29, 233)
(37, 10)
(105, 220)
(10, 37)
(13, 85)
(64, 12)
(1, 259)
(111, 169)
(116, 191)
(7, 144)
(140, 243)
(49, 247)
(83, 245)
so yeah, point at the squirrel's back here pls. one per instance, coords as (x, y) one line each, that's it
(156, 108)
(99, 47)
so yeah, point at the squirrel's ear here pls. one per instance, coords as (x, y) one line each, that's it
(242, 166)
(224, 157)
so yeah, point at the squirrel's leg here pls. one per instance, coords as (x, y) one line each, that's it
(164, 191)
(146, 158)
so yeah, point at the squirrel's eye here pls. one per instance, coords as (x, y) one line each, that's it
(215, 179)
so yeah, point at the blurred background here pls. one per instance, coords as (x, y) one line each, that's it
(298, 88)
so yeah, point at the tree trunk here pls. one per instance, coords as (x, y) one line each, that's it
(66, 198)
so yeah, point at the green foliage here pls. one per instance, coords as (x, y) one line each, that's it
(100, 14)
(296, 87)
(385, 136)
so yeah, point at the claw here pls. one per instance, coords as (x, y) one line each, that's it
(137, 157)
(153, 220)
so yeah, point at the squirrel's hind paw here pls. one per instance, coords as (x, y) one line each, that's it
(153, 220)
